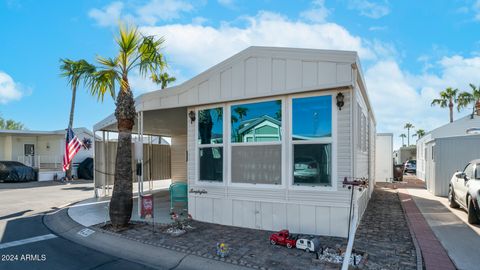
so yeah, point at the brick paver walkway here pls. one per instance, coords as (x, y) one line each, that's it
(384, 234)
(248, 247)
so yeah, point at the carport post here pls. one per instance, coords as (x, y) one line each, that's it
(139, 160)
(104, 164)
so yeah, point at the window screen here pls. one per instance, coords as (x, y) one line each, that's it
(259, 164)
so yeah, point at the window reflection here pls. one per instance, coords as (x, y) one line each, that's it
(211, 164)
(256, 122)
(312, 164)
(312, 117)
(210, 126)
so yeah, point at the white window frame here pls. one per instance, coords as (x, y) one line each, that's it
(331, 140)
(198, 181)
(282, 142)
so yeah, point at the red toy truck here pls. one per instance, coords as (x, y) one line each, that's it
(283, 238)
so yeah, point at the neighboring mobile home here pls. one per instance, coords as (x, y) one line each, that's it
(41, 149)
(444, 150)
(265, 138)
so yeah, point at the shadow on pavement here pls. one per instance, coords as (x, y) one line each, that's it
(79, 188)
(17, 214)
(37, 184)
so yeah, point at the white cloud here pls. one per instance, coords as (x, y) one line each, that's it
(227, 3)
(399, 97)
(476, 10)
(107, 16)
(374, 10)
(162, 10)
(318, 13)
(149, 13)
(197, 47)
(377, 28)
(9, 89)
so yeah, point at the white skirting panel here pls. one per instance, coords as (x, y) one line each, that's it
(273, 216)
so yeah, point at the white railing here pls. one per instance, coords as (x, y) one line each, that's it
(42, 161)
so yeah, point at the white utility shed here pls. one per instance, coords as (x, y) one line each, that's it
(384, 157)
(444, 150)
(261, 141)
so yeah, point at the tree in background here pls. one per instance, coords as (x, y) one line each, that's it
(75, 72)
(10, 124)
(467, 98)
(403, 136)
(419, 133)
(408, 126)
(163, 79)
(448, 98)
(135, 52)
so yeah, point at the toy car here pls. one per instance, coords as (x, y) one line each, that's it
(283, 238)
(308, 244)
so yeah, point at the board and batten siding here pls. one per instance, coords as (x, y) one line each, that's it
(256, 73)
(451, 154)
(313, 211)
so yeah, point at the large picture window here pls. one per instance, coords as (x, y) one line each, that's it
(210, 144)
(256, 142)
(312, 140)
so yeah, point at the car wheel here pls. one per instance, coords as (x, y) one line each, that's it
(472, 214)
(451, 198)
(307, 250)
(289, 245)
(273, 242)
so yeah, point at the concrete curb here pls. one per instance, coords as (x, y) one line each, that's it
(418, 251)
(62, 225)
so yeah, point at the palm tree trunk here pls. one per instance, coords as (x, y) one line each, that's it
(408, 136)
(121, 203)
(68, 173)
(450, 106)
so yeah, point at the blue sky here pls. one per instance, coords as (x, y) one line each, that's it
(410, 50)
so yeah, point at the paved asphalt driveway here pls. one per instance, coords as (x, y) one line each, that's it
(25, 242)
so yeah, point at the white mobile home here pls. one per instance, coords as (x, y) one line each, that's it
(445, 150)
(41, 149)
(384, 157)
(265, 138)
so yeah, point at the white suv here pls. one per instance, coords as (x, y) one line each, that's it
(464, 190)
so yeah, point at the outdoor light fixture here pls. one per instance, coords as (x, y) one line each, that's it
(191, 114)
(340, 101)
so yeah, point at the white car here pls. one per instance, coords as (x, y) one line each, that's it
(464, 190)
(308, 244)
(305, 168)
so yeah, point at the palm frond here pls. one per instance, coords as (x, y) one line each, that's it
(102, 82)
(151, 59)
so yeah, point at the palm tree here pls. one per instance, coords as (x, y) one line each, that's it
(420, 133)
(74, 71)
(408, 126)
(10, 124)
(135, 52)
(163, 79)
(447, 98)
(403, 136)
(466, 98)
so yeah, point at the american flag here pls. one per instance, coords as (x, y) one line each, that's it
(72, 145)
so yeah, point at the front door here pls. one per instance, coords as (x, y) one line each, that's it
(29, 151)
